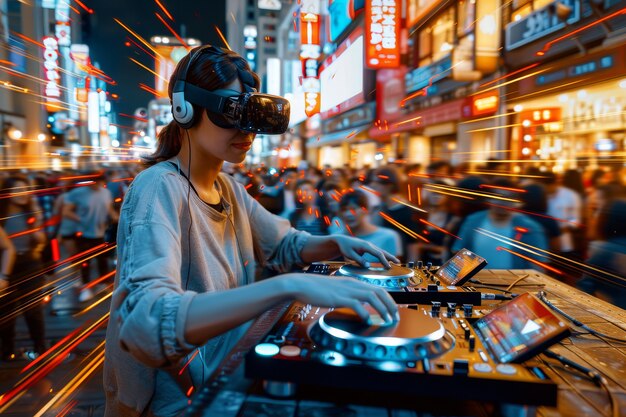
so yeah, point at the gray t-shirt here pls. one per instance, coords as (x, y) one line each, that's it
(92, 206)
(164, 260)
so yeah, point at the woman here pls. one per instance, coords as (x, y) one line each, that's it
(189, 240)
(307, 216)
(22, 218)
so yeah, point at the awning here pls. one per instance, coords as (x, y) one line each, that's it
(339, 137)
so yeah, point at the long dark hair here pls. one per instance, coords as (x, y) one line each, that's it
(209, 71)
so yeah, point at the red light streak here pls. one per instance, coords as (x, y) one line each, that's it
(169, 16)
(517, 190)
(27, 39)
(403, 228)
(142, 48)
(188, 362)
(440, 229)
(548, 45)
(176, 35)
(580, 225)
(219, 32)
(141, 119)
(541, 264)
(510, 74)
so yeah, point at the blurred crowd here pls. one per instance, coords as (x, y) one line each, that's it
(570, 225)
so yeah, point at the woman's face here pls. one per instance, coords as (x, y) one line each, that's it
(229, 145)
(20, 199)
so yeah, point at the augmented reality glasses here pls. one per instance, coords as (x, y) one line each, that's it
(249, 111)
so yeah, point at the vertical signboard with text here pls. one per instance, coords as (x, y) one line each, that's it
(382, 33)
(310, 51)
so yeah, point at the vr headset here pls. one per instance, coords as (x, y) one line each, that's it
(249, 111)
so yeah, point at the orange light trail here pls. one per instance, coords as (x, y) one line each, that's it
(408, 205)
(81, 4)
(464, 191)
(440, 229)
(409, 120)
(219, 32)
(40, 373)
(517, 190)
(403, 228)
(92, 365)
(150, 54)
(548, 45)
(169, 16)
(532, 74)
(188, 362)
(149, 70)
(369, 190)
(494, 128)
(510, 74)
(537, 214)
(151, 90)
(541, 264)
(27, 39)
(176, 35)
(139, 38)
(503, 174)
(96, 303)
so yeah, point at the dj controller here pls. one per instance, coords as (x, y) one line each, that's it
(407, 284)
(445, 349)
(428, 353)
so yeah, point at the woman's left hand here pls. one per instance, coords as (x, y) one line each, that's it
(354, 248)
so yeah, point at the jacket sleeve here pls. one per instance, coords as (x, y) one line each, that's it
(152, 303)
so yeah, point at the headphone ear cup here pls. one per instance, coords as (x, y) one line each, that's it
(182, 110)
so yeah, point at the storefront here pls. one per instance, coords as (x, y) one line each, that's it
(582, 123)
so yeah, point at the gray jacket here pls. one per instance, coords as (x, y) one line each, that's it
(164, 260)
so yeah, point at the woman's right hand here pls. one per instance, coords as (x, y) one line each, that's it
(324, 291)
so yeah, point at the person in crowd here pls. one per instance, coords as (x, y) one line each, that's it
(22, 218)
(190, 239)
(328, 202)
(66, 228)
(565, 206)
(355, 216)
(91, 206)
(385, 183)
(437, 206)
(460, 209)
(489, 233)
(307, 215)
(289, 178)
(536, 204)
(606, 265)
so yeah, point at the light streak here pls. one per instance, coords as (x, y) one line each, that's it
(91, 366)
(369, 190)
(139, 38)
(549, 44)
(537, 214)
(149, 70)
(503, 174)
(558, 87)
(470, 192)
(188, 362)
(541, 264)
(497, 187)
(483, 119)
(511, 81)
(44, 370)
(403, 228)
(510, 74)
(151, 90)
(219, 32)
(408, 205)
(494, 128)
(176, 35)
(408, 121)
(440, 229)
(96, 303)
(80, 3)
(169, 16)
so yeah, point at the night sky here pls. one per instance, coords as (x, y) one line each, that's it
(107, 38)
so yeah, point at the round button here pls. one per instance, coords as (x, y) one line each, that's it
(266, 349)
(506, 369)
(380, 352)
(482, 367)
(358, 348)
(290, 350)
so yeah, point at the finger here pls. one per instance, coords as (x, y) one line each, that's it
(358, 258)
(373, 250)
(358, 308)
(374, 300)
(390, 256)
(389, 303)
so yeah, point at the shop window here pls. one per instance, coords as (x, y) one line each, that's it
(437, 39)
(466, 18)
